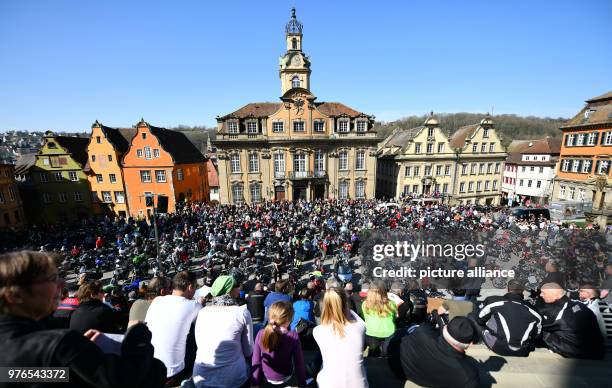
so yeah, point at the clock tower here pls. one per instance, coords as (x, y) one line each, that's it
(294, 65)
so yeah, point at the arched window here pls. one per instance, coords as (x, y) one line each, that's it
(295, 82)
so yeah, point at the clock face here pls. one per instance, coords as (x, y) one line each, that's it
(296, 61)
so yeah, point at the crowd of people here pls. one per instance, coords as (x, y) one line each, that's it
(218, 328)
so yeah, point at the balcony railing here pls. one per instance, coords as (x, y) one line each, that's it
(240, 136)
(279, 174)
(353, 133)
(307, 174)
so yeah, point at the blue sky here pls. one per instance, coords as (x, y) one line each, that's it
(64, 64)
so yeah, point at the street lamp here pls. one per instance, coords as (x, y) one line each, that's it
(150, 201)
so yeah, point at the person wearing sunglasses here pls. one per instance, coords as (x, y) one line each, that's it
(30, 288)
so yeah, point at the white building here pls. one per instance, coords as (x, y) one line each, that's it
(530, 170)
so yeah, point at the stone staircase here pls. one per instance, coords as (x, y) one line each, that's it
(541, 369)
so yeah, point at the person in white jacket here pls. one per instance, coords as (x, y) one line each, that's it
(589, 295)
(340, 337)
(224, 335)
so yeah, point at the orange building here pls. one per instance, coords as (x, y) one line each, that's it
(160, 161)
(105, 149)
(584, 173)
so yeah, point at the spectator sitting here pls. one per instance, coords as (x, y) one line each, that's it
(170, 318)
(303, 308)
(158, 286)
(280, 293)
(318, 299)
(569, 327)
(68, 304)
(277, 352)
(29, 292)
(508, 325)
(204, 291)
(93, 313)
(379, 313)
(589, 295)
(354, 300)
(553, 275)
(224, 336)
(404, 305)
(340, 338)
(433, 360)
(255, 303)
(418, 298)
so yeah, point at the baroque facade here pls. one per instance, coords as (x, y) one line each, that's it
(297, 148)
(464, 168)
(415, 162)
(480, 160)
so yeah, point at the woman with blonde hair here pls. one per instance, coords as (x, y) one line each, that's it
(340, 337)
(379, 313)
(277, 354)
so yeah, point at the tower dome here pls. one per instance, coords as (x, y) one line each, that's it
(293, 27)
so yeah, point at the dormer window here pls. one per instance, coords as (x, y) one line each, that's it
(252, 127)
(295, 82)
(361, 126)
(343, 126)
(232, 127)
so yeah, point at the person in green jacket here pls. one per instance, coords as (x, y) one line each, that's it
(379, 313)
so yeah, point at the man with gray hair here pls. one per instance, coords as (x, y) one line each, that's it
(432, 360)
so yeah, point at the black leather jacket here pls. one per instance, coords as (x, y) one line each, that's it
(571, 329)
(26, 343)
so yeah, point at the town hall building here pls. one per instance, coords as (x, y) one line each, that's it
(297, 148)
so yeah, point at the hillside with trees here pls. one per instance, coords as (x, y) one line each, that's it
(198, 135)
(510, 127)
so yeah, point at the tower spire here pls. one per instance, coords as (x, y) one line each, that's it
(294, 65)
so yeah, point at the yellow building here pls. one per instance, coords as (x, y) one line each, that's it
(297, 148)
(11, 206)
(480, 162)
(105, 149)
(465, 168)
(415, 162)
(52, 182)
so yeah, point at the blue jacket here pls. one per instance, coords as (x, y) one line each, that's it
(302, 309)
(272, 298)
